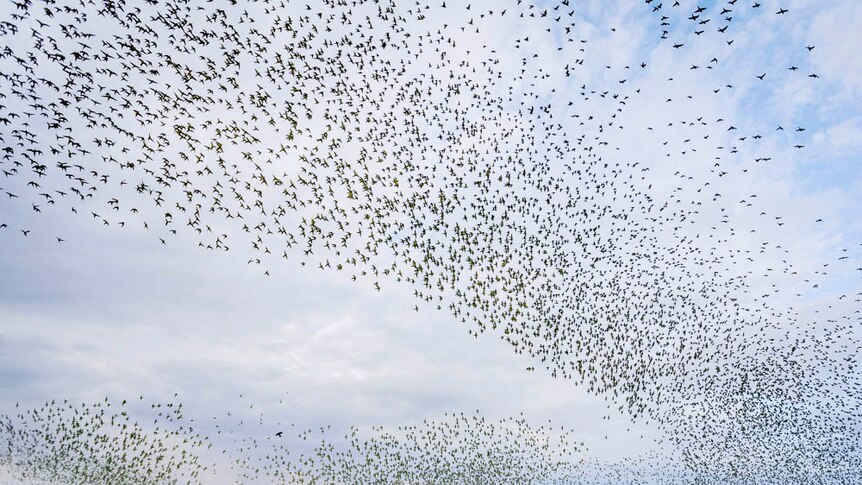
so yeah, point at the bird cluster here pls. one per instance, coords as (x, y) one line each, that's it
(456, 449)
(390, 142)
(100, 443)
(790, 436)
(66, 443)
(104, 442)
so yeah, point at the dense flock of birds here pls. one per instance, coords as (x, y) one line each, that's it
(101, 444)
(134, 442)
(392, 141)
(458, 448)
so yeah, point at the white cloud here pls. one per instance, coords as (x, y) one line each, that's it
(845, 138)
(836, 34)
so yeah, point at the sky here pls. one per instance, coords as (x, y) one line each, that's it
(114, 312)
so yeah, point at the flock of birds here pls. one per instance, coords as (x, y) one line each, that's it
(387, 140)
(135, 443)
(100, 443)
(132, 442)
